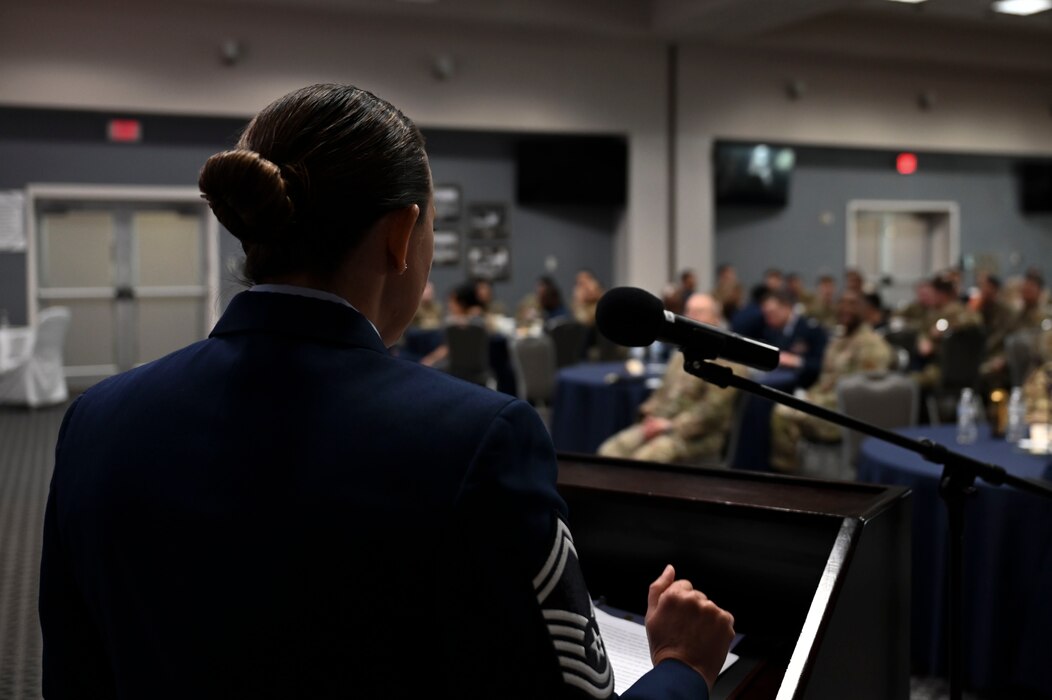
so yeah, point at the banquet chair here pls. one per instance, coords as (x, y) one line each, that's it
(569, 337)
(904, 340)
(960, 356)
(39, 380)
(729, 453)
(533, 362)
(469, 354)
(1021, 356)
(886, 400)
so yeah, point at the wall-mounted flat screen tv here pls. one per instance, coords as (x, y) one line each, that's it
(753, 173)
(1035, 182)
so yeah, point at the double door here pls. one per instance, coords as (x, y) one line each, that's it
(138, 276)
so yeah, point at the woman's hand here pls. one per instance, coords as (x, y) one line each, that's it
(684, 624)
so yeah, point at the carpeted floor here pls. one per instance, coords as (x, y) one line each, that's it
(27, 445)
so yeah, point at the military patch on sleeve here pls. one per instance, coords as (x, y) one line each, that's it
(570, 618)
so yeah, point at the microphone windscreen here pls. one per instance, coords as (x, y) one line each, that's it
(630, 316)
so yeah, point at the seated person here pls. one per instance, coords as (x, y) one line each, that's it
(800, 338)
(999, 321)
(1036, 393)
(463, 309)
(484, 294)
(429, 313)
(946, 316)
(858, 349)
(586, 293)
(822, 306)
(728, 291)
(544, 305)
(1034, 312)
(686, 419)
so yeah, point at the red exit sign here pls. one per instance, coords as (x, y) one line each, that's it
(124, 130)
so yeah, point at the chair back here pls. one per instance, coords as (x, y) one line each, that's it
(960, 356)
(533, 361)
(885, 400)
(1021, 356)
(468, 353)
(50, 335)
(734, 433)
(608, 350)
(569, 337)
(904, 340)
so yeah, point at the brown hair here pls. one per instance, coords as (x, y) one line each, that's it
(311, 173)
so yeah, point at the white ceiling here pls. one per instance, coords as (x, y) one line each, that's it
(951, 32)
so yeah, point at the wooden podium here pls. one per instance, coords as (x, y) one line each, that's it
(816, 573)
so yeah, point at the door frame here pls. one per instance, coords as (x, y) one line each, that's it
(902, 206)
(120, 194)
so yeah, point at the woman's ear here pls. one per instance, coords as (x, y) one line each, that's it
(398, 228)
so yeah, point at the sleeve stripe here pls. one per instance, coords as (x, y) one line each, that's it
(562, 533)
(587, 687)
(586, 671)
(566, 616)
(567, 632)
(570, 647)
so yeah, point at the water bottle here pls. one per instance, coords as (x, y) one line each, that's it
(1016, 429)
(967, 430)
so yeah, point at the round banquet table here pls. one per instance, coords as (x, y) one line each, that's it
(1007, 563)
(595, 400)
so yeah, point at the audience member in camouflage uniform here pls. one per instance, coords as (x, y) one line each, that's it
(823, 303)
(915, 314)
(1034, 311)
(999, 320)
(686, 419)
(429, 313)
(858, 349)
(1035, 391)
(946, 316)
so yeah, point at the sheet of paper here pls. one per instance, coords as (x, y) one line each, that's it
(628, 650)
(12, 225)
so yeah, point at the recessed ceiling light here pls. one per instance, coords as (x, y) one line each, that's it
(1021, 7)
(910, 2)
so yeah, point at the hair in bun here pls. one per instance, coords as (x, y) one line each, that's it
(248, 195)
(311, 174)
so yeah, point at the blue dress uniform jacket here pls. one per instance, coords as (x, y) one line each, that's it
(285, 510)
(805, 337)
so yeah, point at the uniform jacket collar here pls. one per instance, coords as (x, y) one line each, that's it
(287, 314)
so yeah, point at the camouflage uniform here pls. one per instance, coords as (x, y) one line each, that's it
(1032, 318)
(1035, 391)
(822, 312)
(428, 316)
(914, 315)
(999, 320)
(862, 351)
(957, 316)
(700, 413)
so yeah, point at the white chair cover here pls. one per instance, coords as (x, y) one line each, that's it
(40, 381)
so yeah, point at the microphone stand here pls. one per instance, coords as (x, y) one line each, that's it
(957, 483)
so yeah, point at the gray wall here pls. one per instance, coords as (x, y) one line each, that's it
(794, 238)
(483, 165)
(46, 146)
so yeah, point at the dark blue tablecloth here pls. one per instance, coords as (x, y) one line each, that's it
(1007, 567)
(594, 401)
(754, 447)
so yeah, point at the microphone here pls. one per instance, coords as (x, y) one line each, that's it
(635, 318)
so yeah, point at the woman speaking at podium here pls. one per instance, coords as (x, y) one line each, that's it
(286, 510)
